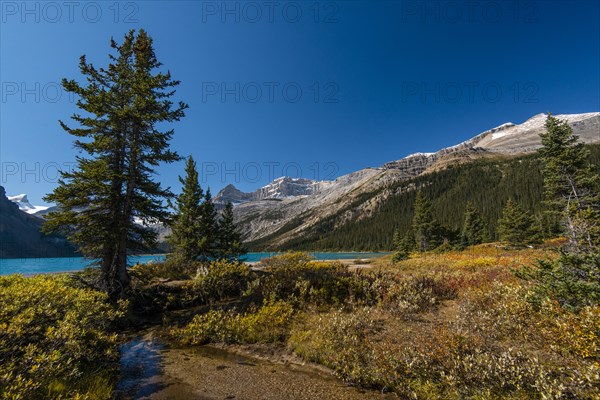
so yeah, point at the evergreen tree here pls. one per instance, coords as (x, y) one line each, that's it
(403, 246)
(396, 239)
(473, 230)
(209, 228)
(572, 196)
(517, 227)
(187, 236)
(425, 226)
(96, 202)
(571, 188)
(230, 242)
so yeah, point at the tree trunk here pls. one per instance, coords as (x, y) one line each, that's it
(122, 275)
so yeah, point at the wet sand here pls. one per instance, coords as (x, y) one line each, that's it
(151, 370)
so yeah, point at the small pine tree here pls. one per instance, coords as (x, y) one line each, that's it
(473, 229)
(230, 242)
(403, 246)
(572, 279)
(209, 228)
(187, 235)
(425, 226)
(517, 227)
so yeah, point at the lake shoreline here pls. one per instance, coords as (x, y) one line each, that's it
(35, 266)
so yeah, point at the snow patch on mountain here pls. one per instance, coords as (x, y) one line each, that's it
(281, 188)
(286, 187)
(24, 205)
(419, 155)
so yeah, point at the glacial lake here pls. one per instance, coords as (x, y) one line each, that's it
(32, 266)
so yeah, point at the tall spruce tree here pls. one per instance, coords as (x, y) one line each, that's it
(425, 226)
(473, 230)
(571, 188)
(118, 133)
(230, 241)
(187, 235)
(572, 196)
(517, 227)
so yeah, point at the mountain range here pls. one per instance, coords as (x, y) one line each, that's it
(290, 210)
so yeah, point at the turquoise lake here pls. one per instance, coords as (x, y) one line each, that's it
(31, 266)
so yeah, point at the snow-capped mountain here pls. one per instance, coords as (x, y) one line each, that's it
(24, 205)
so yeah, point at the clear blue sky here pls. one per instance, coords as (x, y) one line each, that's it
(379, 79)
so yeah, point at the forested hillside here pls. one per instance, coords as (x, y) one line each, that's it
(487, 183)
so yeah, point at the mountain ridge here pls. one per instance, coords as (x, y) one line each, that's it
(287, 208)
(21, 236)
(295, 215)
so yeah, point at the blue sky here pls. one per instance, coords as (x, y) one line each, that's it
(316, 89)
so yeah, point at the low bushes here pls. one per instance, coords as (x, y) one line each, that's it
(266, 324)
(295, 278)
(409, 295)
(395, 330)
(55, 340)
(173, 268)
(221, 280)
(340, 341)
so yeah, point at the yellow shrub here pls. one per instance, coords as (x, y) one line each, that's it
(476, 263)
(576, 333)
(267, 324)
(55, 339)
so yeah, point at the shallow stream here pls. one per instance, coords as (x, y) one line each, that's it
(153, 370)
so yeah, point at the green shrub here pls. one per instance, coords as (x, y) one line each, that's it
(400, 256)
(55, 339)
(174, 268)
(571, 279)
(221, 280)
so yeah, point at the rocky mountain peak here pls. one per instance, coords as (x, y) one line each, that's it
(280, 188)
(508, 138)
(286, 186)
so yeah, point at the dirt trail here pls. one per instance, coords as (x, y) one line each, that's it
(154, 371)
